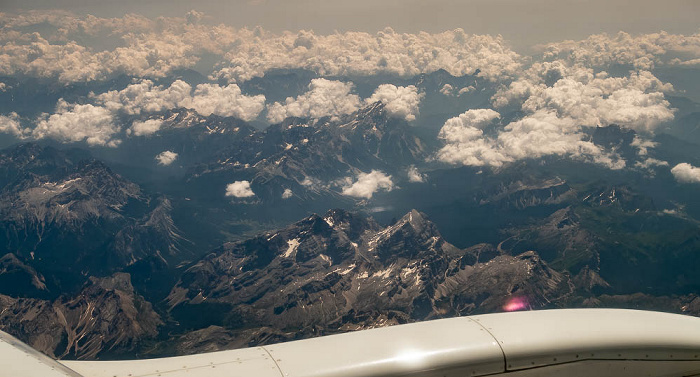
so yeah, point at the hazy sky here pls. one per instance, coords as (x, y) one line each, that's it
(523, 22)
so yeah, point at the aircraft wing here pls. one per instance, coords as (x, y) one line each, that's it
(566, 342)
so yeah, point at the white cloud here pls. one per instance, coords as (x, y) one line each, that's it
(636, 101)
(447, 90)
(560, 101)
(399, 101)
(649, 163)
(96, 123)
(239, 189)
(73, 122)
(10, 124)
(414, 175)
(544, 133)
(324, 98)
(643, 145)
(467, 125)
(334, 98)
(465, 90)
(207, 99)
(538, 135)
(145, 128)
(367, 184)
(144, 96)
(166, 158)
(465, 141)
(287, 194)
(225, 101)
(686, 173)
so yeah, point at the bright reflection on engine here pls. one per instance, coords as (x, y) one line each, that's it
(411, 357)
(516, 303)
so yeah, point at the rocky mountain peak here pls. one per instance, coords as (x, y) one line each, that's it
(373, 110)
(105, 315)
(409, 237)
(353, 224)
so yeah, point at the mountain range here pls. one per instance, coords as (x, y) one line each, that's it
(111, 252)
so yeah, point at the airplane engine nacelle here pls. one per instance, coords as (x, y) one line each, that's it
(567, 342)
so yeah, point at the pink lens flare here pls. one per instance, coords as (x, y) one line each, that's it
(516, 303)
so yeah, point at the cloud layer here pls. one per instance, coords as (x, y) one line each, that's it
(643, 51)
(156, 47)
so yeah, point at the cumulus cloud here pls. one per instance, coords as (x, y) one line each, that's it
(334, 98)
(367, 184)
(166, 158)
(414, 175)
(642, 145)
(541, 134)
(10, 124)
(239, 189)
(145, 128)
(560, 100)
(324, 98)
(636, 101)
(544, 133)
(74, 122)
(447, 90)
(96, 123)
(686, 173)
(399, 101)
(145, 96)
(465, 141)
(465, 90)
(649, 163)
(287, 194)
(224, 101)
(450, 91)
(207, 99)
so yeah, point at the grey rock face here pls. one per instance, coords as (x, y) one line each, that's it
(66, 216)
(106, 315)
